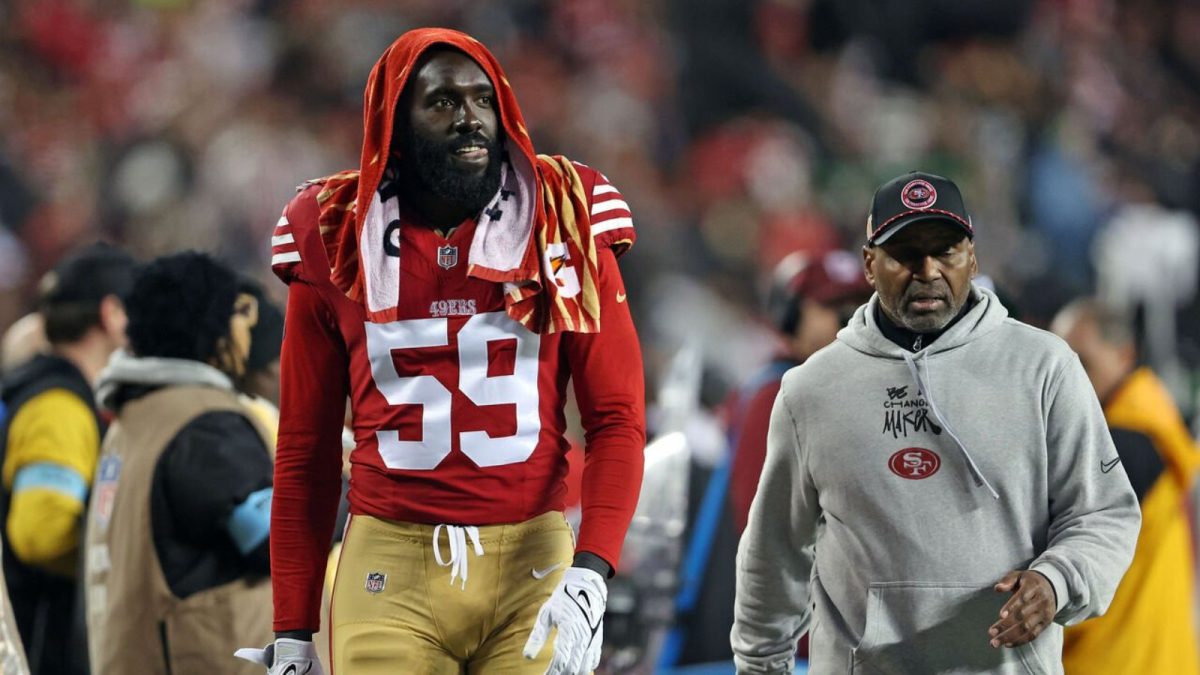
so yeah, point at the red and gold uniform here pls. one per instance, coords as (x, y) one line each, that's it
(457, 405)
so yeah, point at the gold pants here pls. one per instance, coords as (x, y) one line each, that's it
(395, 610)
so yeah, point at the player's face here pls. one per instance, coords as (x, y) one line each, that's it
(449, 130)
(922, 274)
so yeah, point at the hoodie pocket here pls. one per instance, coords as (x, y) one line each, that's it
(1029, 659)
(935, 627)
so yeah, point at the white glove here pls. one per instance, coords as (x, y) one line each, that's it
(577, 608)
(285, 657)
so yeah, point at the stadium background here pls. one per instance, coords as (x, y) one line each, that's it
(738, 131)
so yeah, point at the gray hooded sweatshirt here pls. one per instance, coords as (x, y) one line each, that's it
(899, 488)
(125, 369)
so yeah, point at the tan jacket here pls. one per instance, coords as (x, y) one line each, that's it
(136, 625)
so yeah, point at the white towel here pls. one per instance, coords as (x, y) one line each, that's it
(502, 236)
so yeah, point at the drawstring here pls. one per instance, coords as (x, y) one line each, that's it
(980, 480)
(458, 549)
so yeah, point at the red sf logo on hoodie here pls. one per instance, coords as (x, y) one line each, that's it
(914, 463)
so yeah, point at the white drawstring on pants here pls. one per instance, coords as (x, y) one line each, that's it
(457, 534)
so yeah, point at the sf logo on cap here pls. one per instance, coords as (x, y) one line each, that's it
(918, 194)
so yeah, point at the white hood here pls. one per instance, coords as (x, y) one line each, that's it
(124, 369)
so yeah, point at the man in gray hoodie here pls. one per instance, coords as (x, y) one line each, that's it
(940, 493)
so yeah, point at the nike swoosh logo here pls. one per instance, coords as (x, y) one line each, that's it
(620, 296)
(1105, 467)
(585, 611)
(541, 574)
(293, 669)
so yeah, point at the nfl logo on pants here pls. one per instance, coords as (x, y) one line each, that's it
(375, 582)
(447, 256)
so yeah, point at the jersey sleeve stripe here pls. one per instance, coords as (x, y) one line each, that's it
(283, 239)
(282, 222)
(609, 225)
(280, 258)
(610, 205)
(609, 215)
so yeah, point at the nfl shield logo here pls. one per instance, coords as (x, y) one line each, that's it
(106, 489)
(447, 256)
(375, 581)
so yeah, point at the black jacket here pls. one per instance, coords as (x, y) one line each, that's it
(211, 466)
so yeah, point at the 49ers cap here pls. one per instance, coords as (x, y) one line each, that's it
(915, 197)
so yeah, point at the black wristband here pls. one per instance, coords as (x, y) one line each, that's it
(593, 562)
(305, 635)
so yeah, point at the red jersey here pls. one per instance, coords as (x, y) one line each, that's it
(457, 408)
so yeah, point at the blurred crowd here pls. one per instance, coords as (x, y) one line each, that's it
(739, 132)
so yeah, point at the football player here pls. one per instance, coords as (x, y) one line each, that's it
(451, 287)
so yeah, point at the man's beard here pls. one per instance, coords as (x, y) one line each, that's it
(430, 164)
(927, 322)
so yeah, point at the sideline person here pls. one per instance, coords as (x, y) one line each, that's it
(941, 493)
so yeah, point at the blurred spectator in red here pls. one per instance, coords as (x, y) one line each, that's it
(751, 183)
(809, 301)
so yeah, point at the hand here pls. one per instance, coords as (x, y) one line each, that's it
(285, 657)
(576, 608)
(1027, 613)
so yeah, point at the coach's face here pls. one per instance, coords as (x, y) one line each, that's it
(922, 274)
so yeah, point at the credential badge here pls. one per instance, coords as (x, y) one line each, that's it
(106, 489)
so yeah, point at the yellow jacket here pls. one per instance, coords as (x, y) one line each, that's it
(52, 447)
(1149, 628)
